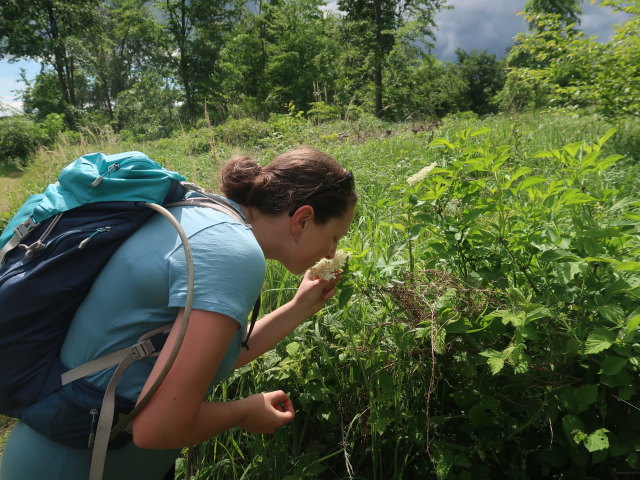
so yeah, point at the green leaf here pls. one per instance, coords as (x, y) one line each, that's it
(520, 172)
(530, 181)
(439, 341)
(613, 313)
(443, 458)
(632, 324)
(573, 428)
(607, 136)
(442, 141)
(566, 272)
(598, 440)
(573, 148)
(535, 311)
(612, 365)
(628, 266)
(577, 400)
(293, 348)
(607, 162)
(345, 294)
(574, 197)
(381, 424)
(558, 255)
(599, 340)
(495, 360)
(600, 259)
(480, 131)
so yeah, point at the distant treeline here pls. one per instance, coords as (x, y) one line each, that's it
(145, 67)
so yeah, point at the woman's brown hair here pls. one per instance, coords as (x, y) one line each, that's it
(304, 176)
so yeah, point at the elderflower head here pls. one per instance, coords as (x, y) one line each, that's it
(421, 175)
(327, 269)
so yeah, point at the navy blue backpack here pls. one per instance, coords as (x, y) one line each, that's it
(50, 253)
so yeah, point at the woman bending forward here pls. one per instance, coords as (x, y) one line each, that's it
(299, 206)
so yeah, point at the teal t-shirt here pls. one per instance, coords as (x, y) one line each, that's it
(141, 288)
(145, 283)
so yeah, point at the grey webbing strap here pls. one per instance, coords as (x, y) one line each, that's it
(210, 203)
(221, 203)
(105, 420)
(21, 232)
(144, 348)
(96, 365)
(124, 358)
(10, 245)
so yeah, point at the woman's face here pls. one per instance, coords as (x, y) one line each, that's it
(317, 241)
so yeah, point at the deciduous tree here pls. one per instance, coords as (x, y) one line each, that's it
(379, 24)
(48, 31)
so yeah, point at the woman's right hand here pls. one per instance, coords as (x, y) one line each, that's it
(265, 412)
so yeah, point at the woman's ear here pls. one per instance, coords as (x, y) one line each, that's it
(301, 219)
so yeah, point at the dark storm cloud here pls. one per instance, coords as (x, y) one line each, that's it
(477, 25)
(491, 25)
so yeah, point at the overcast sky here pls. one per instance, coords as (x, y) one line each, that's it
(491, 25)
(471, 25)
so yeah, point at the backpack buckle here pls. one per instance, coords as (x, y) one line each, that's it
(142, 349)
(25, 228)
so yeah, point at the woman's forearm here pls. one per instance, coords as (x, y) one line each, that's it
(272, 328)
(312, 295)
(212, 419)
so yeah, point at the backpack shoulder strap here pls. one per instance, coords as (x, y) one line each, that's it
(208, 199)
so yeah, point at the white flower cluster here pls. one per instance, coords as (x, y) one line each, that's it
(421, 175)
(328, 269)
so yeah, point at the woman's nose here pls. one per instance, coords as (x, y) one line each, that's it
(332, 253)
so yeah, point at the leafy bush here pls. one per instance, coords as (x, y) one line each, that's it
(322, 112)
(243, 131)
(542, 384)
(19, 139)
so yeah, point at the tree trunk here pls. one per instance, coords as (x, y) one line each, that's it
(58, 54)
(377, 74)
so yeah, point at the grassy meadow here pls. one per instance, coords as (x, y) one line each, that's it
(487, 325)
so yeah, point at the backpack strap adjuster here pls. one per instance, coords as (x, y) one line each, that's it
(25, 228)
(142, 349)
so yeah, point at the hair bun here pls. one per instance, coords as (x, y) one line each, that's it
(239, 176)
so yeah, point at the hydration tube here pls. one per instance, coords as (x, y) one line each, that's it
(126, 419)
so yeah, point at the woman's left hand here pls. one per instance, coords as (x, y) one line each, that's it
(313, 294)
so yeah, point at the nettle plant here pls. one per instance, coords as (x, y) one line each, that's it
(537, 341)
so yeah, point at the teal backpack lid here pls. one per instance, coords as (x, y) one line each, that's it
(93, 178)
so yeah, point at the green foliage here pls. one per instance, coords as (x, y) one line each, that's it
(321, 112)
(484, 76)
(422, 87)
(20, 138)
(243, 131)
(487, 326)
(378, 27)
(564, 68)
(556, 242)
(147, 110)
(568, 11)
(51, 32)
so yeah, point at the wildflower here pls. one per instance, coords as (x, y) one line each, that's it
(421, 175)
(328, 269)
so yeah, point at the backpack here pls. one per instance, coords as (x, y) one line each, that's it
(50, 253)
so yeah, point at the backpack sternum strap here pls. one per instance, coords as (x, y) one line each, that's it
(148, 345)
